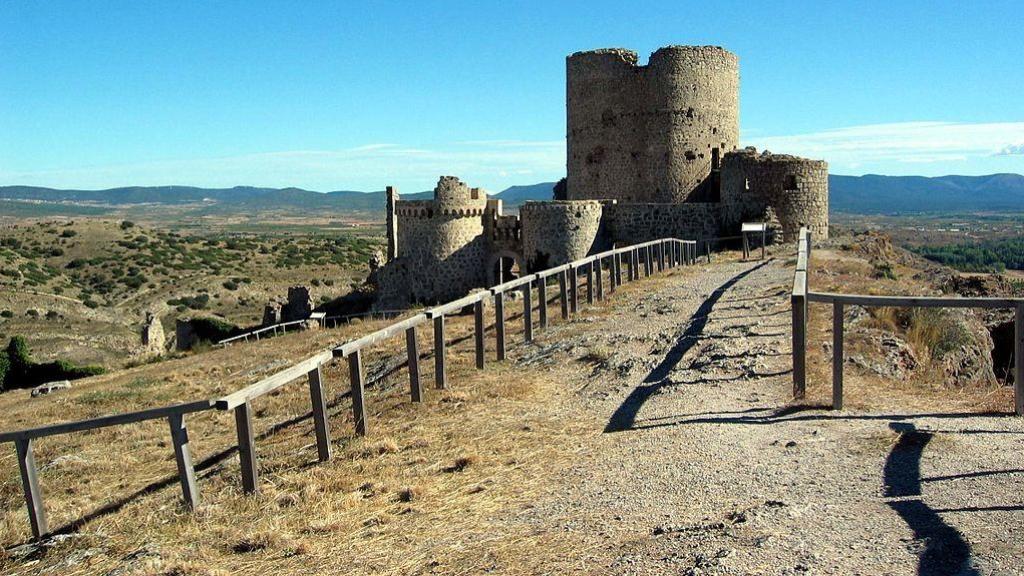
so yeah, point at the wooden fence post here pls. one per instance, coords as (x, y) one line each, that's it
(30, 487)
(837, 356)
(246, 448)
(355, 376)
(1018, 360)
(183, 458)
(412, 359)
(320, 424)
(542, 295)
(478, 331)
(660, 249)
(616, 273)
(647, 261)
(528, 312)
(574, 289)
(707, 249)
(440, 376)
(799, 307)
(600, 279)
(563, 296)
(590, 282)
(635, 264)
(499, 325)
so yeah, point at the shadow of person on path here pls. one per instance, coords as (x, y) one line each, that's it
(625, 415)
(946, 553)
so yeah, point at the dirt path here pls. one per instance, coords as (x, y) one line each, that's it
(703, 466)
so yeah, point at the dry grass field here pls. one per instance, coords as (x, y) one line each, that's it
(430, 488)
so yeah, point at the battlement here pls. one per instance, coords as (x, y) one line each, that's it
(532, 206)
(451, 196)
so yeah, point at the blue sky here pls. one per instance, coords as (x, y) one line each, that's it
(346, 95)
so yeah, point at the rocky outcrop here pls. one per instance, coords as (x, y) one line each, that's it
(153, 338)
(299, 306)
(50, 387)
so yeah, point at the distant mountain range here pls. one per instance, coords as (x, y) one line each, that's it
(871, 194)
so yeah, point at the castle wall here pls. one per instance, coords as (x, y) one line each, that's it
(787, 191)
(630, 223)
(558, 232)
(442, 250)
(649, 133)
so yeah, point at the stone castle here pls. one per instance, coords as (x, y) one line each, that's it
(653, 151)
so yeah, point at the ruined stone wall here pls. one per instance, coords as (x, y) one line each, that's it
(790, 190)
(630, 223)
(561, 231)
(649, 133)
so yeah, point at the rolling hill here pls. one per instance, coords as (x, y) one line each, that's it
(869, 194)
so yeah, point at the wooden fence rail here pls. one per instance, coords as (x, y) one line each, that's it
(801, 297)
(656, 256)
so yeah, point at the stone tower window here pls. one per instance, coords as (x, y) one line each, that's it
(716, 160)
(746, 184)
(790, 182)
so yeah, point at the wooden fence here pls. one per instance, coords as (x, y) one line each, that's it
(801, 297)
(640, 260)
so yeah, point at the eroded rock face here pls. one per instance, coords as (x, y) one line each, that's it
(50, 387)
(970, 361)
(272, 314)
(299, 306)
(153, 338)
(893, 357)
(184, 334)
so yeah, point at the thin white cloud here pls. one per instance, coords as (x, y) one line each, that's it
(902, 142)
(491, 164)
(906, 147)
(1011, 150)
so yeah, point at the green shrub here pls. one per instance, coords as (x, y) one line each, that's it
(126, 224)
(5, 366)
(19, 362)
(884, 270)
(68, 234)
(7, 314)
(213, 329)
(17, 370)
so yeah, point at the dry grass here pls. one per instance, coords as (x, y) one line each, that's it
(431, 489)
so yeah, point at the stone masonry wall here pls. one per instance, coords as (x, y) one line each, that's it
(442, 249)
(792, 189)
(649, 133)
(558, 232)
(632, 223)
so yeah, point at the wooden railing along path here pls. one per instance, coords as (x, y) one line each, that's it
(641, 260)
(801, 297)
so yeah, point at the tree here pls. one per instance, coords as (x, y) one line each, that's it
(561, 190)
(5, 365)
(19, 363)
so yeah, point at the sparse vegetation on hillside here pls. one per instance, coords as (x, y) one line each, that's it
(82, 288)
(990, 256)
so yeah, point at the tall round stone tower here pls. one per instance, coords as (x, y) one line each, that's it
(653, 133)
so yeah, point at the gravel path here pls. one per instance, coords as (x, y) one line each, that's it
(699, 465)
